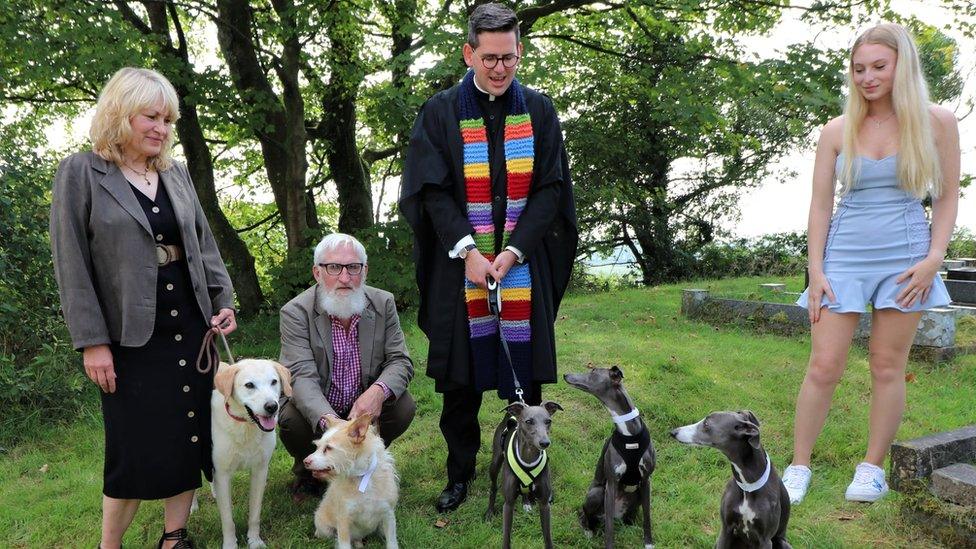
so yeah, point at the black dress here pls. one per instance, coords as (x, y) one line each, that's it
(157, 422)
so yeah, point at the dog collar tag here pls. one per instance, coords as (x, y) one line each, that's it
(364, 482)
(753, 486)
(632, 445)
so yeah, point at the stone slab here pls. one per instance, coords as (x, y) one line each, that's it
(918, 458)
(961, 291)
(952, 525)
(962, 273)
(772, 287)
(955, 483)
(968, 261)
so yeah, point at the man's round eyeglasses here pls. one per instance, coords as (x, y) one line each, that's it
(508, 60)
(334, 269)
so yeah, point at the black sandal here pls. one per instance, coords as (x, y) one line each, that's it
(181, 537)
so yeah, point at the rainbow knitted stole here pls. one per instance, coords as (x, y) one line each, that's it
(491, 369)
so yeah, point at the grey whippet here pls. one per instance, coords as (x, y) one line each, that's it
(518, 453)
(755, 507)
(623, 472)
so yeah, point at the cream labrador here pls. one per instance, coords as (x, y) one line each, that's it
(244, 413)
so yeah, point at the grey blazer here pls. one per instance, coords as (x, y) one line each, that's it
(105, 253)
(306, 349)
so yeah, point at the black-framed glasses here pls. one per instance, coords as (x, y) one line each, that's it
(508, 60)
(335, 269)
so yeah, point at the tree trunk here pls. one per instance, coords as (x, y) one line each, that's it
(199, 162)
(279, 126)
(339, 122)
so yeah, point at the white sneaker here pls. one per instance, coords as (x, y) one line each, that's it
(868, 484)
(797, 480)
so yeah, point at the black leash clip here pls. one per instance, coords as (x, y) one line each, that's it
(494, 296)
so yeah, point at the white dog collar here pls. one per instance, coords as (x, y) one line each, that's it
(364, 482)
(626, 417)
(753, 486)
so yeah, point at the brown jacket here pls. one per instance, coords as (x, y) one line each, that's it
(306, 349)
(104, 252)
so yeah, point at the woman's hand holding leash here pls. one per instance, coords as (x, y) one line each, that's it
(224, 321)
(920, 277)
(100, 367)
(818, 288)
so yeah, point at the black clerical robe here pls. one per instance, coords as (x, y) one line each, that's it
(433, 200)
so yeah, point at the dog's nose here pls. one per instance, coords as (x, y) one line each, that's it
(271, 407)
(544, 444)
(307, 461)
(674, 433)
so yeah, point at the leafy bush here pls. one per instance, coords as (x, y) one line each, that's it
(963, 244)
(780, 254)
(389, 246)
(35, 376)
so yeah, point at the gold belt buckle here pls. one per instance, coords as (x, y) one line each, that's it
(162, 255)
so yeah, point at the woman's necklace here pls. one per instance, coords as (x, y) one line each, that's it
(878, 123)
(144, 175)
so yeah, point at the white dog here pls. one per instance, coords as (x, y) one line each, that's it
(244, 413)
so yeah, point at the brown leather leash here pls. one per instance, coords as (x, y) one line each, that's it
(209, 354)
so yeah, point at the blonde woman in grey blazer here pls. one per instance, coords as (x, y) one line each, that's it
(141, 282)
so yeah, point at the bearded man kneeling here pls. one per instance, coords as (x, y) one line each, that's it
(342, 342)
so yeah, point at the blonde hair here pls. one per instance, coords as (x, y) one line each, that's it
(129, 91)
(919, 172)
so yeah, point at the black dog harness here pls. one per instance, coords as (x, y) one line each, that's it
(631, 448)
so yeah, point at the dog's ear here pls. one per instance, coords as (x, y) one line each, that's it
(285, 376)
(551, 407)
(616, 375)
(358, 428)
(515, 408)
(751, 417)
(224, 378)
(750, 430)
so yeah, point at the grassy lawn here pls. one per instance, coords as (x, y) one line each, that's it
(676, 371)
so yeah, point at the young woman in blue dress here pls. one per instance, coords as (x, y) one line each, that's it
(890, 149)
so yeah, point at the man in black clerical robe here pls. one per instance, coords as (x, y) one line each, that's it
(433, 200)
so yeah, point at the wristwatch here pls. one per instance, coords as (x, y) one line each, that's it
(463, 253)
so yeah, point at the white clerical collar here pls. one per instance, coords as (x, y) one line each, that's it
(364, 483)
(753, 486)
(490, 96)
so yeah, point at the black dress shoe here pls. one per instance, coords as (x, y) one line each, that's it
(453, 495)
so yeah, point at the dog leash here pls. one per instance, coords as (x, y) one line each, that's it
(209, 353)
(495, 308)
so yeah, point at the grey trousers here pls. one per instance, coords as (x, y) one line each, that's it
(297, 435)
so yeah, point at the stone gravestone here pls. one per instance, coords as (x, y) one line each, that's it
(961, 284)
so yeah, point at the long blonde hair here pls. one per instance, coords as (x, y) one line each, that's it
(919, 172)
(129, 91)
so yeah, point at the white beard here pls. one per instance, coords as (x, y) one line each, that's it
(343, 306)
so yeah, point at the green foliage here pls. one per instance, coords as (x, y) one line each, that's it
(389, 247)
(962, 244)
(34, 373)
(673, 120)
(782, 254)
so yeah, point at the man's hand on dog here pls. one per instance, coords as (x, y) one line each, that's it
(370, 402)
(224, 321)
(100, 367)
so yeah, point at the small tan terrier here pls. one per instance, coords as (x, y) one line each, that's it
(363, 483)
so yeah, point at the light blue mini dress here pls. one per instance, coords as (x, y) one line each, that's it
(877, 232)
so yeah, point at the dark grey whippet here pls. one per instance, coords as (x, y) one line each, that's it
(518, 453)
(623, 472)
(755, 507)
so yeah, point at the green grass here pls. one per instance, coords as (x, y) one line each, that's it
(676, 371)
